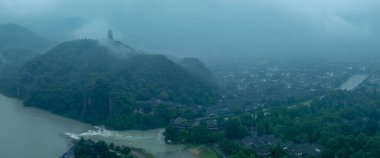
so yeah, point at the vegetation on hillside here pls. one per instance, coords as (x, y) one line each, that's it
(17, 46)
(230, 130)
(345, 122)
(112, 84)
(196, 66)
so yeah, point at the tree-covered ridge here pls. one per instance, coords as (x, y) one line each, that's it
(95, 82)
(196, 66)
(17, 45)
(345, 122)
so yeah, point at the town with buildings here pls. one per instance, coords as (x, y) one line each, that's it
(251, 88)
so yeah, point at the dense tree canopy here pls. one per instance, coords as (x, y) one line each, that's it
(91, 149)
(345, 122)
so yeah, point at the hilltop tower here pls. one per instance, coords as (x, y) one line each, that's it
(110, 35)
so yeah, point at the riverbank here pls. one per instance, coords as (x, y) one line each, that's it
(89, 145)
(151, 141)
(33, 133)
(24, 127)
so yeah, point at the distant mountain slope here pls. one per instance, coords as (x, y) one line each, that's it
(14, 36)
(110, 83)
(196, 66)
(17, 45)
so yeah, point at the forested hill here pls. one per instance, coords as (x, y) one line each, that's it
(197, 67)
(110, 83)
(17, 45)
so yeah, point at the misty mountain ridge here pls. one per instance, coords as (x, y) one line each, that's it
(17, 46)
(204, 78)
(107, 82)
(13, 36)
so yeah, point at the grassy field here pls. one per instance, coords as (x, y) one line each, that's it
(207, 152)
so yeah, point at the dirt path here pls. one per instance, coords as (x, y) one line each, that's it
(195, 151)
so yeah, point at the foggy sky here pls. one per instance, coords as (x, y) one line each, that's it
(209, 27)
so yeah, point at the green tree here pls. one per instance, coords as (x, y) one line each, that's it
(234, 129)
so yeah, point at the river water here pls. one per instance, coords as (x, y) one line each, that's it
(34, 133)
(353, 82)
